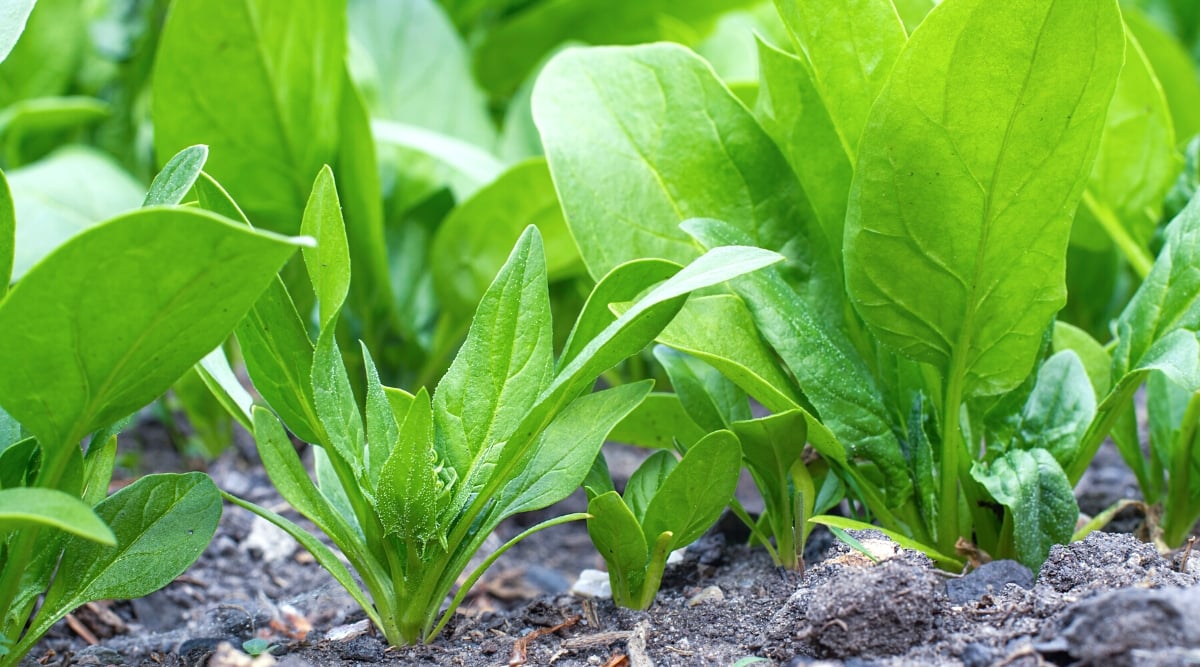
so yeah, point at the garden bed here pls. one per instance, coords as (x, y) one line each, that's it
(1108, 600)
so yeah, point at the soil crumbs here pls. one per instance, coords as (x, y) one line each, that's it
(1108, 600)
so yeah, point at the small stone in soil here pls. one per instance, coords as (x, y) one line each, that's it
(709, 595)
(592, 584)
(987, 579)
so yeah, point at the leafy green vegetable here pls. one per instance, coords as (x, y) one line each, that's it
(994, 257)
(106, 323)
(667, 505)
(929, 205)
(410, 487)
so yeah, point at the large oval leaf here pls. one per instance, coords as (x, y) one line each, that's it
(259, 82)
(972, 162)
(642, 138)
(108, 321)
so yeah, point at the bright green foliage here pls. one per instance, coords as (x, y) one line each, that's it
(60, 196)
(942, 173)
(411, 487)
(1136, 164)
(668, 504)
(8, 235)
(99, 328)
(651, 151)
(1158, 332)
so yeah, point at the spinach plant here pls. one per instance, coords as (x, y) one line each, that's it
(410, 485)
(1159, 325)
(923, 189)
(93, 332)
(668, 504)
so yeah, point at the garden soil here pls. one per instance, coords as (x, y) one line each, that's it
(1108, 600)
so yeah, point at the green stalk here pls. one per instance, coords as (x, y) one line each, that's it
(1107, 414)
(947, 519)
(1137, 256)
(1177, 520)
(22, 548)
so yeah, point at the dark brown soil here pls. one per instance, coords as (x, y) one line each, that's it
(1109, 600)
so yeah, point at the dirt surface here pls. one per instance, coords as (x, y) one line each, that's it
(1109, 600)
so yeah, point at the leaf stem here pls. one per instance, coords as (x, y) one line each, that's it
(1177, 519)
(1137, 256)
(947, 518)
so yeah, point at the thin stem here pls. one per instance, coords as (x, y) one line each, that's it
(947, 519)
(1137, 255)
(1179, 489)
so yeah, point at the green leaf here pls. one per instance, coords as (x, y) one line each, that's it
(619, 539)
(991, 165)
(1034, 488)
(1136, 165)
(21, 507)
(402, 81)
(505, 363)
(668, 142)
(636, 327)
(659, 422)
(711, 400)
(149, 294)
(645, 482)
(470, 166)
(772, 445)
(274, 72)
(13, 15)
(826, 366)
(695, 493)
(948, 563)
(328, 263)
(162, 524)
(60, 196)
(913, 11)
(335, 404)
(408, 491)
(18, 463)
(361, 195)
(791, 109)
(279, 359)
(216, 373)
(178, 175)
(1173, 68)
(289, 477)
(1059, 409)
(34, 125)
(1096, 360)
(471, 242)
(43, 62)
(624, 283)
(8, 231)
(513, 48)
(1169, 297)
(849, 48)
(559, 461)
(383, 423)
(735, 348)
